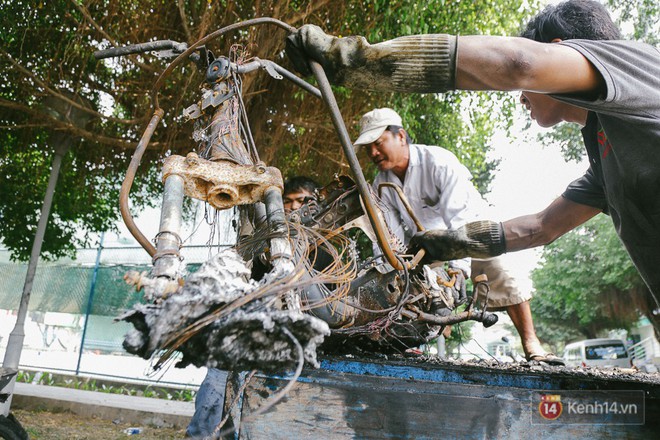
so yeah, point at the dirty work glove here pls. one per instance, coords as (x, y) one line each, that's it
(415, 63)
(481, 239)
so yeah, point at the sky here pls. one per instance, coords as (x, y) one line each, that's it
(530, 176)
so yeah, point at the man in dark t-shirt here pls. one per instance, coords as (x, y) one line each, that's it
(570, 66)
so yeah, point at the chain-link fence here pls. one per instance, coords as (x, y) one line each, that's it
(71, 325)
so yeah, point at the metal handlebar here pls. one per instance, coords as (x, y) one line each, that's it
(141, 48)
(349, 152)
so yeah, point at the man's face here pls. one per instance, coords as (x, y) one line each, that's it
(546, 111)
(389, 151)
(294, 200)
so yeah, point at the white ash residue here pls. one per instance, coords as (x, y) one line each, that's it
(248, 338)
(256, 341)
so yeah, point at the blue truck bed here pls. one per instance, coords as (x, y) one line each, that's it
(417, 399)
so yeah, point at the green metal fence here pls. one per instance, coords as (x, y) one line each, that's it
(70, 325)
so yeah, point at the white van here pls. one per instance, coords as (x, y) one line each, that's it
(604, 353)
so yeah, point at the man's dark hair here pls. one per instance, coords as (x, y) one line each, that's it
(394, 129)
(573, 19)
(299, 183)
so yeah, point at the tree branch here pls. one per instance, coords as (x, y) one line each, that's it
(105, 35)
(330, 158)
(57, 94)
(59, 125)
(184, 19)
(311, 8)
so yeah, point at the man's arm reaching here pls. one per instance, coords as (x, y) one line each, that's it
(441, 62)
(485, 239)
(513, 63)
(546, 226)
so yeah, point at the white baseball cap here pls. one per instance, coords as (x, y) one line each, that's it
(374, 123)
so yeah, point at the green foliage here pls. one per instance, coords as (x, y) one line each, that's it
(87, 384)
(642, 16)
(460, 122)
(569, 138)
(24, 376)
(45, 59)
(586, 285)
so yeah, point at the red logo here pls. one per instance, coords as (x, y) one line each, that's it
(604, 142)
(550, 407)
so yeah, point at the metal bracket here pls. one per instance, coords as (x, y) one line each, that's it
(192, 112)
(271, 70)
(213, 98)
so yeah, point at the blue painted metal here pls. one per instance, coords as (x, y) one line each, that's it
(465, 374)
(440, 373)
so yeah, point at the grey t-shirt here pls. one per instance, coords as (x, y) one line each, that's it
(622, 137)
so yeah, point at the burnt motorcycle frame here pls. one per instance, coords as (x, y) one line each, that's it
(252, 182)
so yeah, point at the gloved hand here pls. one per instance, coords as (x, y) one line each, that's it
(481, 239)
(415, 63)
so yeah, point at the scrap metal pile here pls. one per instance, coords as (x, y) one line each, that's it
(290, 285)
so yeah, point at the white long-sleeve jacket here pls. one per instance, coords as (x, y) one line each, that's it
(440, 191)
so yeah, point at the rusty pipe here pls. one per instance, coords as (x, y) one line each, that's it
(128, 183)
(420, 254)
(168, 243)
(281, 253)
(403, 199)
(360, 181)
(487, 319)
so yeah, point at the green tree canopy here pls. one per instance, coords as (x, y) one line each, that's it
(46, 56)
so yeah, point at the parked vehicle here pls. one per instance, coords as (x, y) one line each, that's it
(604, 353)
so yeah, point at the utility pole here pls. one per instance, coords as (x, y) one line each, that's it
(15, 342)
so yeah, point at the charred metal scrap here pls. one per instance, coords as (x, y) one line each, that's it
(211, 324)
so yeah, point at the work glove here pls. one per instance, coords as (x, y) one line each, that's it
(481, 239)
(415, 63)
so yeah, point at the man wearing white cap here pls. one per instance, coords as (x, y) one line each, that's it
(442, 196)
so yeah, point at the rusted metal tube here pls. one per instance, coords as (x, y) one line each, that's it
(281, 254)
(403, 199)
(128, 182)
(259, 64)
(360, 181)
(167, 260)
(420, 254)
(486, 318)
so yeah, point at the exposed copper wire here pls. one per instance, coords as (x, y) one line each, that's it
(340, 272)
